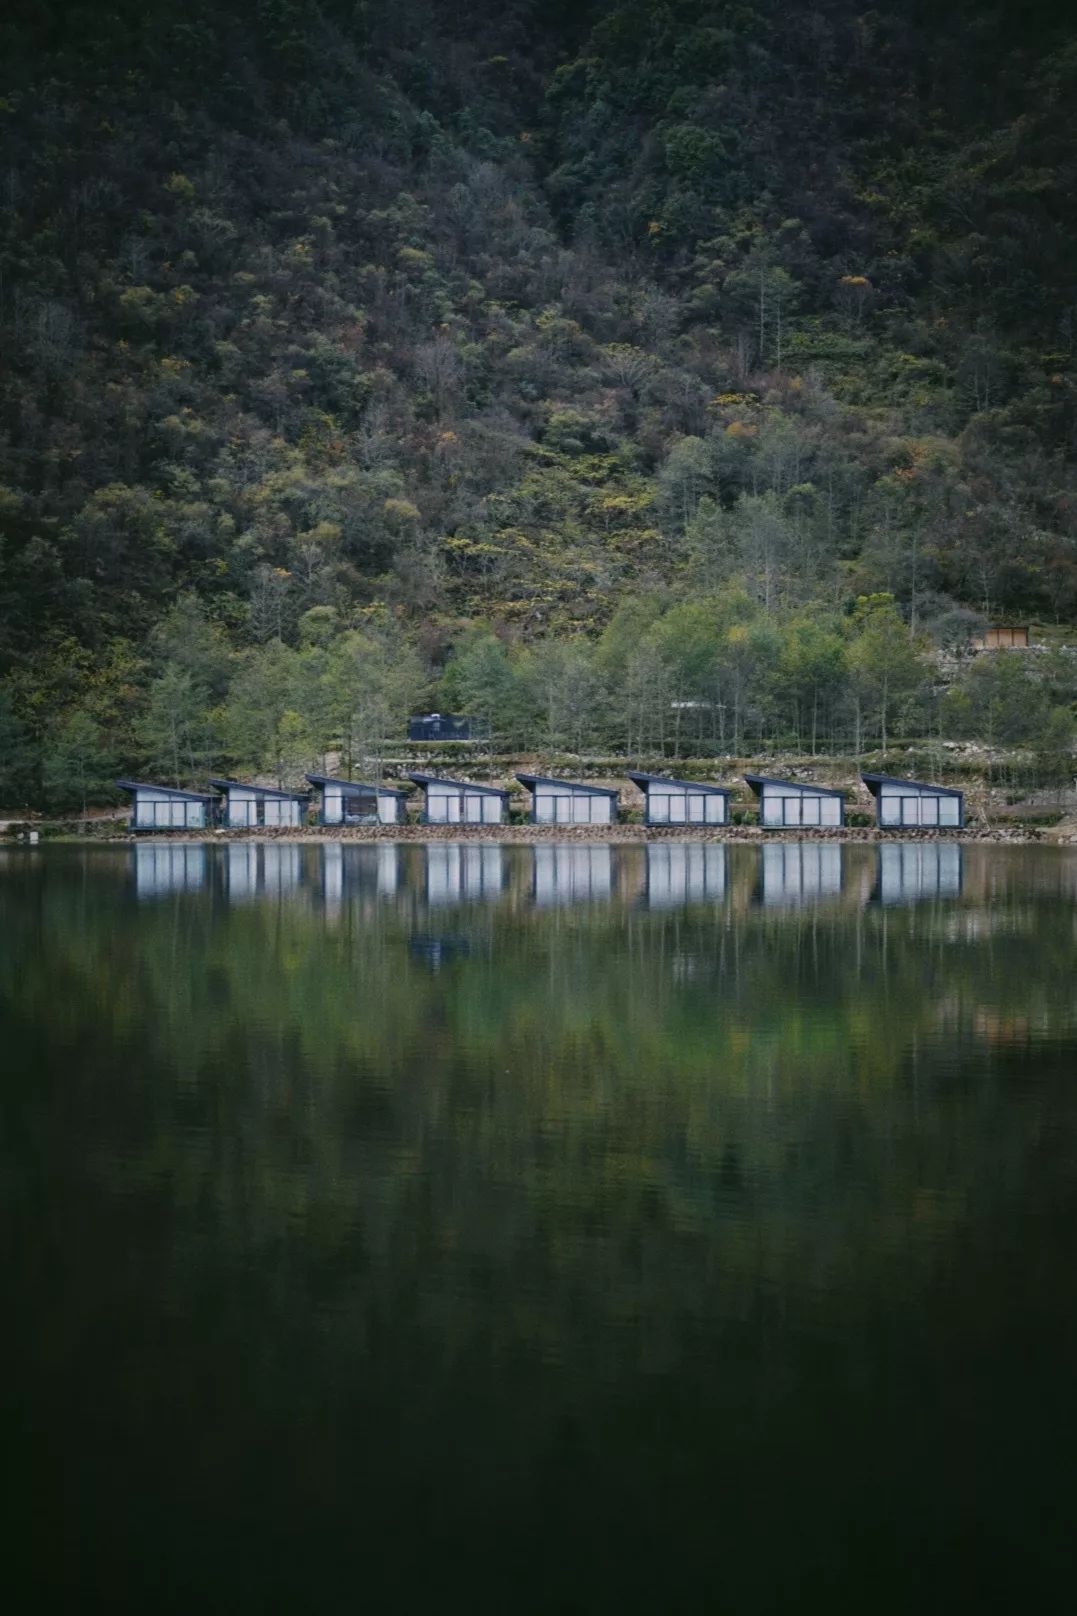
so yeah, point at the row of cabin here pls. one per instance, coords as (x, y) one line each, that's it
(783, 804)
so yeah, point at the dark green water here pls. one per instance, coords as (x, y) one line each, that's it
(594, 1230)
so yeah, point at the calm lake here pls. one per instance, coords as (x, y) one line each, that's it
(559, 1228)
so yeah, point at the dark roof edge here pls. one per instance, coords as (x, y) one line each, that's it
(171, 791)
(460, 785)
(873, 780)
(360, 785)
(689, 785)
(532, 780)
(755, 780)
(263, 791)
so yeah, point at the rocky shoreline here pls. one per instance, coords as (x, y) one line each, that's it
(610, 834)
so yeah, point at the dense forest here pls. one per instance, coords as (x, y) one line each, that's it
(631, 374)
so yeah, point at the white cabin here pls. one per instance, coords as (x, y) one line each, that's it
(350, 802)
(165, 808)
(901, 803)
(249, 807)
(681, 802)
(460, 802)
(788, 804)
(795, 873)
(568, 802)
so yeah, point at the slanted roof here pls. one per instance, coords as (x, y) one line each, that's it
(758, 781)
(874, 781)
(354, 785)
(261, 791)
(533, 780)
(645, 780)
(169, 791)
(425, 780)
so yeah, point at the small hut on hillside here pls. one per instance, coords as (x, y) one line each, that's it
(790, 804)
(569, 802)
(439, 727)
(1004, 637)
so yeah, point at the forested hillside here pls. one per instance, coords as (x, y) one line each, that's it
(567, 363)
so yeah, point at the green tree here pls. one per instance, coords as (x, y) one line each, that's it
(175, 730)
(76, 765)
(886, 664)
(18, 756)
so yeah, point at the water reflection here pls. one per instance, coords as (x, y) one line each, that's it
(355, 1195)
(459, 872)
(685, 872)
(356, 872)
(161, 867)
(794, 873)
(261, 869)
(911, 871)
(659, 875)
(571, 873)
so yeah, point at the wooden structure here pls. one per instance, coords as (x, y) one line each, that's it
(681, 802)
(569, 802)
(1005, 637)
(351, 802)
(792, 805)
(460, 802)
(248, 807)
(166, 808)
(901, 803)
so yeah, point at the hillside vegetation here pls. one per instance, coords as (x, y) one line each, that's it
(636, 374)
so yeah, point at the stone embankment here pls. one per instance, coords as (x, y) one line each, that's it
(620, 834)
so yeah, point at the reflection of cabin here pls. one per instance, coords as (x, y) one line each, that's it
(1006, 637)
(911, 871)
(911, 802)
(567, 802)
(165, 808)
(680, 802)
(249, 807)
(439, 727)
(463, 874)
(358, 871)
(262, 870)
(177, 868)
(460, 802)
(574, 873)
(786, 804)
(349, 802)
(684, 872)
(800, 872)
